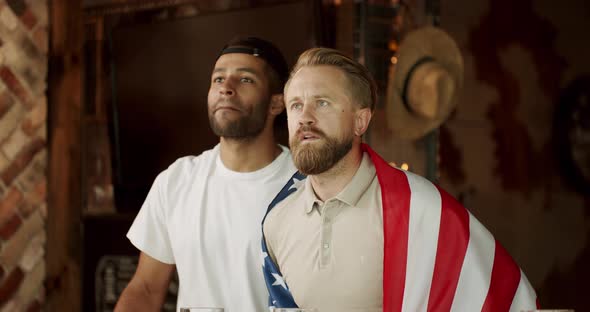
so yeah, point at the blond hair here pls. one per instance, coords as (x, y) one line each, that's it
(362, 84)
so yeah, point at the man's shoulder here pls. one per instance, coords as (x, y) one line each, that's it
(290, 205)
(399, 175)
(428, 198)
(187, 165)
(185, 171)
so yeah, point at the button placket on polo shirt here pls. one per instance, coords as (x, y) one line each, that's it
(329, 211)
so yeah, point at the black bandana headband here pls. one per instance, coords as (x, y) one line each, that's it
(244, 50)
(260, 48)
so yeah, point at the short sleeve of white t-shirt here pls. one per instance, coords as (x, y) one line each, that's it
(149, 231)
(206, 219)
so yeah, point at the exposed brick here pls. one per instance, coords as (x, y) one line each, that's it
(33, 67)
(10, 227)
(15, 86)
(4, 162)
(10, 121)
(14, 143)
(40, 190)
(22, 160)
(26, 62)
(9, 203)
(34, 199)
(34, 173)
(26, 208)
(12, 305)
(34, 252)
(10, 285)
(35, 80)
(34, 306)
(32, 55)
(36, 117)
(17, 6)
(32, 283)
(41, 294)
(41, 133)
(14, 248)
(40, 39)
(43, 211)
(39, 9)
(23, 155)
(6, 102)
(38, 193)
(29, 19)
(8, 18)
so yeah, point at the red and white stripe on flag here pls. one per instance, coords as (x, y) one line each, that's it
(438, 256)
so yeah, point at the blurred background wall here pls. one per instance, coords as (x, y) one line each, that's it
(500, 152)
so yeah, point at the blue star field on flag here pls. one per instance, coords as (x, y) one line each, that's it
(279, 294)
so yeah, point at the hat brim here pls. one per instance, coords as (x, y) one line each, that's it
(426, 42)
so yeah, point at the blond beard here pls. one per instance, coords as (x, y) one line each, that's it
(319, 157)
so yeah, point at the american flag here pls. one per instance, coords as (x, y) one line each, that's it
(437, 256)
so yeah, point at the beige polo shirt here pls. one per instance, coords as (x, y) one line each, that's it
(331, 253)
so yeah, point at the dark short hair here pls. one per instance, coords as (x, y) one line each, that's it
(279, 70)
(362, 83)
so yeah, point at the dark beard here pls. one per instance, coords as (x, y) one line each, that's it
(313, 160)
(245, 127)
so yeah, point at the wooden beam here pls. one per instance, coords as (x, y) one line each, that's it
(109, 7)
(63, 257)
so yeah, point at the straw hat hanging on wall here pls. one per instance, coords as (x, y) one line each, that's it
(426, 83)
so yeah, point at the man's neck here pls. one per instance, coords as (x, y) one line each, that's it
(247, 155)
(333, 181)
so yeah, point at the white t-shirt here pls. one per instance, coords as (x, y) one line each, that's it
(206, 219)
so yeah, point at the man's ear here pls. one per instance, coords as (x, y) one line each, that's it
(362, 120)
(277, 105)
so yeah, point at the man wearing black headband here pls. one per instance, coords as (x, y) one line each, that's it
(202, 215)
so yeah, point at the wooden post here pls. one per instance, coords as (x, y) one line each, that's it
(63, 280)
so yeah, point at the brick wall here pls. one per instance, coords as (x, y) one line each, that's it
(23, 153)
